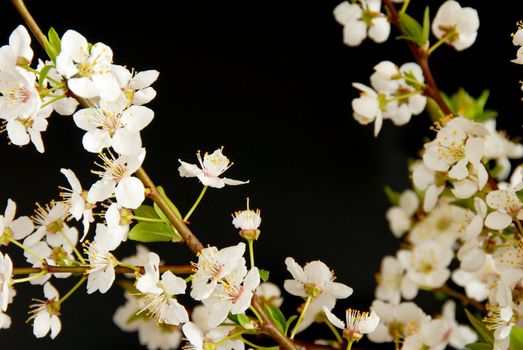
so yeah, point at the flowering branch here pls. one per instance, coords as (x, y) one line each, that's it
(422, 57)
(462, 298)
(176, 269)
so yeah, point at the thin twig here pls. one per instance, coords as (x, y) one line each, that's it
(176, 269)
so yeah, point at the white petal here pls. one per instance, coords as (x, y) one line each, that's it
(130, 193)
(50, 292)
(137, 117)
(83, 87)
(379, 30)
(144, 79)
(17, 133)
(20, 42)
(56, 326)
(497, 220)
(354, 33)
(127, 142)
(42, 324)
(101, 190)
(107, 86)
(333, 319)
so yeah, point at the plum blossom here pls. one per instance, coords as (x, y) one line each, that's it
(200, 341)
(158, 294)
(361, 19)
(44, 313)
(11, 228)
(213, 266)
(477, 283)
(507, 207)
(369, 107)
(23, 131)
(269, 293)
(392, 282)
(136, 86)
(211, 167)
(457, 25)
(501, 149)
(116, 179)
(101, 260)
(314, 280)
(426, 179)
(430, 335)
(76, 200)
(500, 319)
(248, 221)
(88, 69)
(55, 96)
(457, 335)
(357, 323)
(6, 270)
(19, 99)
(399, 216)
(113, 124)
(517, 40)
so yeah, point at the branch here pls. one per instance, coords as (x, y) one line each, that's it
(422, 57)
(31, 23)
(176, 269)
(189, 238)
(460, 297)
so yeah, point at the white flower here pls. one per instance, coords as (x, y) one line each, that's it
(55, 96)
(362, 19)
(314, 280)
(116, 179)
(232, 295)
(158, 294)
(76, 200)
(113, 124)
(460, 335)
(200, 341)
(399, 216)
(248, 221)
(392, 282)
(6, 270)
(507, 207)
(19, 99)
(425, 179)
(136, 86)
(357, 323)
(430, 335)
(500, 148)
(369, 107)
(269, 293)
(11, 228)
(101, 261)
(459, 26)
(477, 283)
(23, 131)
(20, 45)
(114, 222)
(500, 319)
(213, 266)
(396, 321)
(402, 86)
(427, 263)
(88, 70)
(211, 167)
(5, 320)
(45, 313)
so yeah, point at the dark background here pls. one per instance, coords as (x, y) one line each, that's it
(270, 81)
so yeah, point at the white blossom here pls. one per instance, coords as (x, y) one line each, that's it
(501, 149)
(392, 282)
(362, 19)
(269, 293)
(6, 270)
(500, 319)
(457, 335)
(158, 293)
(400, 216)
(88, 69)
(136, 86)
(477, 283)
(211, 167)
(11, 228)
(23, 131)
(356, 323)
(76, 200)
(458, 25)
(368, 107)
(507, 207)
(45, 313)
(200, 341)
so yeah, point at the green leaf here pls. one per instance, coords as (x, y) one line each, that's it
(479, 346)
(264, 275)
(411, 29)
(43, 74)
(152, 232)
(392, 196)
(426, 25)
(54, 40)
(50, 51)
(276, 317)
(171, 204)
(146, 211)
(289, 322)
(161, 215)
(516, 338)
(520, 195)
(434, 110)
(479, 326)
(239, 319)
(470, 107)
(467, 203)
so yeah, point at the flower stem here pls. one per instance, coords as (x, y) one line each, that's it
(461, 297)
(188, 215)
(53, 100)
(141, 218)
(29, 278)
(229, 337)
(441, 41)
(132, 267)
(77, 253)
(405, 6)
(334, 331)
(251, 251)
(72, 290)
(28, 250)
(256, 313)
(305, 307)
(258, 346)
(349, 344)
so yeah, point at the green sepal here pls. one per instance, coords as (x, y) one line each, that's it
(276, 317)
(264, 275)
(479, 326)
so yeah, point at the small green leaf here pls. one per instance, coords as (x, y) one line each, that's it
(392, 196)
(479, 326)
(239, 319)
(520, 195)
(43, 74)
(276, 316)
(264, 275)
(479, 346)
(146, 211)
(50, 51)
(411, 29)
(434, 110)
(151, 232)
(54, 40)
(467, 203)
(516, 338)
(426, 25)
(289, 322)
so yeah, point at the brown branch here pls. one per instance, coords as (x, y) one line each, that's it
(460, 297)
(176, 269)
(269, 327)
(31, 23)
(422, 58)
(189, 238)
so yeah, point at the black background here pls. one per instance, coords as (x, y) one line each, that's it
(270, 81)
